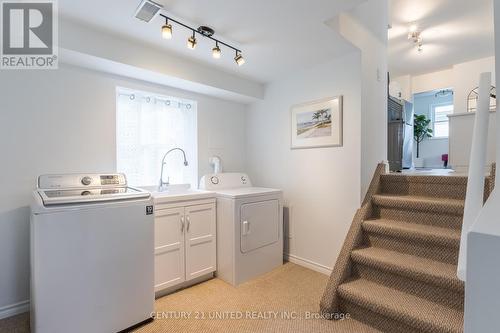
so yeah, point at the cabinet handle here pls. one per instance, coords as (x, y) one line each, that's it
(182, 223)
(188, 222)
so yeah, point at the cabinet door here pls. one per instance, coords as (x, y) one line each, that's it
(169, 248)
(200, 240)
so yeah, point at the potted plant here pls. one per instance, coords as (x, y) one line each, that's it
(421, 131)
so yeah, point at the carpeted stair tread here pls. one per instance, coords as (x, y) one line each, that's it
(446, 186)
(402, 307)
(430, 204)
(429, 271)
(419, 232)
(425, 179)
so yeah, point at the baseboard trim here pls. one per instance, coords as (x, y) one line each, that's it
(14, 309)
(308, 264)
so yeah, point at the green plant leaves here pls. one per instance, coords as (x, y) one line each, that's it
(421, 128)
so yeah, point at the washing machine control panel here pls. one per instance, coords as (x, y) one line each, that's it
(224, 180)
(81, 180)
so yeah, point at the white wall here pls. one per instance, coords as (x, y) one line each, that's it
(321, 186)
(373, 47)
(400, 87)
(461, 77)
(432, 81)
(466, 78)
(64, 121)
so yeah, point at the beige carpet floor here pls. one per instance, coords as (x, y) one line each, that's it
(284, 300)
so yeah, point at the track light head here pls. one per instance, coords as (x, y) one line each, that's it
(166, 31)
(239, 59)
(191, 44)
(216, 52)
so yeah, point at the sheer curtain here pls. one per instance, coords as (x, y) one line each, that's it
(147, 126)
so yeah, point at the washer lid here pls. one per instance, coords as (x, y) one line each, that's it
(245, 192)
(90, 195)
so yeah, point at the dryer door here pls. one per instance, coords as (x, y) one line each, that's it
(259, 224)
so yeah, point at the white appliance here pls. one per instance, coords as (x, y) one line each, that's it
(249, 226)
(92, 254)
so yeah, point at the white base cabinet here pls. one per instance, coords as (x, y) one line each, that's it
(185, 242)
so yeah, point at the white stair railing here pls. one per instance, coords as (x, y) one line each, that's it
(482, 265)
(477, 166)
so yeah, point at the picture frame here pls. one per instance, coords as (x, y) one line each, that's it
(317, 124)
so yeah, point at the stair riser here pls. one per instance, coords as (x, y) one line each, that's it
(451, 191)
(380, 322)
(416, 248)
(434, 293)
(419, 217)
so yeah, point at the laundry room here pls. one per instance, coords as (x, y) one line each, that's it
(181, 166)
(116, 106)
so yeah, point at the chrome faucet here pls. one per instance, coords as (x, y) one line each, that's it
(163, 185)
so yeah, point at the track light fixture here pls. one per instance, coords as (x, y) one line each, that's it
(415, 37)
(204, 31)
(239, 59)
(166, 30)
(216, 52)
(192, 42)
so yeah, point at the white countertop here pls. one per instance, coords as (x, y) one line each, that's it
(177, 192)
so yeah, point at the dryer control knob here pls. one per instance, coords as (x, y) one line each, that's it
(214, 180)
(86, 180)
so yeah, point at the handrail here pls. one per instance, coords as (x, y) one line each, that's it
(475, 184)
(481, 272)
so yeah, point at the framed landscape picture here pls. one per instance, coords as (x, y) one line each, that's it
(317, 124)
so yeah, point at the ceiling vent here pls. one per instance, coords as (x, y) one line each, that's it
(147, 10)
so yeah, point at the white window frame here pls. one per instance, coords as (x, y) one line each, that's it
(432, 112)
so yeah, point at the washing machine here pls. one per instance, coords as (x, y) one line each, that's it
(92, 254)
(249, 226)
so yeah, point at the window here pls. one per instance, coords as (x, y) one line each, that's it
(147, 126)
(440, 119)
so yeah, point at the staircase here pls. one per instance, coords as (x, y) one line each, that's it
(397, 270)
